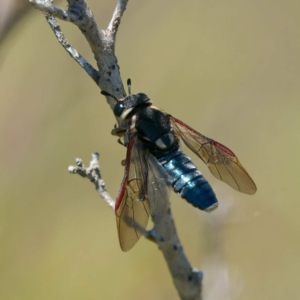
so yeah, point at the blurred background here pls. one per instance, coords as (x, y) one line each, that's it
(231, 70)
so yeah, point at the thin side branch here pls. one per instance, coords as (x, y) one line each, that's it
(48, 10)
(116, 18)
(93, 73)
(47, 7)
(102, 42)
(93, 173)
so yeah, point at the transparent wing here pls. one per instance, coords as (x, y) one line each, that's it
(132, 205)
(132, 218)
(158, 186)
(144, 191)
(221, 161)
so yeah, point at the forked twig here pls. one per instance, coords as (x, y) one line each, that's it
(93, 173)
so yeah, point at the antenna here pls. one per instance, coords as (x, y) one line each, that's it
(129, 85)
(109, 95)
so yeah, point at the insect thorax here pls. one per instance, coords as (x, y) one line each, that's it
(154, 129)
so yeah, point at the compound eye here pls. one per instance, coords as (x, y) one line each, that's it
(118, 109)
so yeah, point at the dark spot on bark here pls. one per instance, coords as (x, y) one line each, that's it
(175, 247)
(113, 67)
(117, 89)
(190, 277)
(161, 239)
(108, 80)
(109, 73)
(73, 12)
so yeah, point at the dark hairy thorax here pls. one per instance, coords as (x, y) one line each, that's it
(154, 129)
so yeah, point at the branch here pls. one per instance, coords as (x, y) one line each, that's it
(49, 12)
(102, 42)
(116, 18)
(187, 280)
(47, 7)
(93, 173)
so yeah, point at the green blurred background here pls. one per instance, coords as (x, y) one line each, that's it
(231, 70)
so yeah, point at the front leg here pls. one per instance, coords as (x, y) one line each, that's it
(120, 132)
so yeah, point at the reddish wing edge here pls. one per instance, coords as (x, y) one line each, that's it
(144, 191)
(132, 207)
(220, 160)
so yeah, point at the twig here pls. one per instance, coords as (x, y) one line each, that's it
(102, 42)
(93, 173)
(46, 7)
(116, 18)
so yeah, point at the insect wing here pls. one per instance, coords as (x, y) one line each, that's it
(132, 205)
(221, 161)
(158, 186)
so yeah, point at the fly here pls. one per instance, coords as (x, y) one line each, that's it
(154, 162)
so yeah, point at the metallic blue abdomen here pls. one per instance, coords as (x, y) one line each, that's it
(188, 181)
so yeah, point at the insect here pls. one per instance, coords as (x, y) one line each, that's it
(154, 162)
